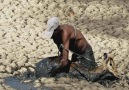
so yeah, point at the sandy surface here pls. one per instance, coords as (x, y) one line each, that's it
(105, 24)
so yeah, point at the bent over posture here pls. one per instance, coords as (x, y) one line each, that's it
(67, 38)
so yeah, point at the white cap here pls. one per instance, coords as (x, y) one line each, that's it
(52, 24)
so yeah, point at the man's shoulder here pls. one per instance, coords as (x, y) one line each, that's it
(67, 30)
(66, 26)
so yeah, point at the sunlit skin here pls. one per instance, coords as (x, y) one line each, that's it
(65, 34)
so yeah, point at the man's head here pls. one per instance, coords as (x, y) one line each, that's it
(52, 24)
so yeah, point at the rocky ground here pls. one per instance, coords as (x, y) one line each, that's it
(105, 24)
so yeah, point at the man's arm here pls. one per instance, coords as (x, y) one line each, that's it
(65, 53)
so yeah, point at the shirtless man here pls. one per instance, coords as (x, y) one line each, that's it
(67, 38)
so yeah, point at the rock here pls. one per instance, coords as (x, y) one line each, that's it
(13, 65)
(64, 80)
(49, 81)
(127, 75)
(37, 81)
(43, 79)
(8, 69)
(37, 85)
(7, 61)
(1, 80)
(22, 70)
(16, 73)
(31, 69)
(2, 88)
(2, 68)
(27, 81)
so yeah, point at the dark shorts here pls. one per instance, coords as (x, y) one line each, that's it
(86, 60)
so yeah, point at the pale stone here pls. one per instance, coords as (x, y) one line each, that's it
(31, 69)
(8, 69)
(43, 79)
(15, 73)
(49, 81)
(2, 68)
(37, 85)
(13, 65)
(22, 70)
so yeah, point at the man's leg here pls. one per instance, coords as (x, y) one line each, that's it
(87, 60)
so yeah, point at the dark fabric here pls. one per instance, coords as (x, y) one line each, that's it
(46, 66)
(87, 59)
(49, 67)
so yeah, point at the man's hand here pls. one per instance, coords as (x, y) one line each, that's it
(63, 63)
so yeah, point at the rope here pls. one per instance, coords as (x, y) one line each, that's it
(79, 72)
